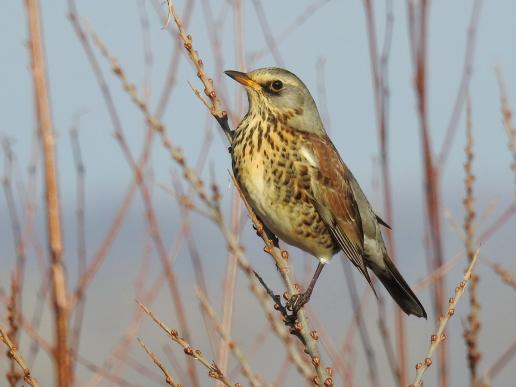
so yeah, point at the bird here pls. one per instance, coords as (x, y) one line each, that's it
(297, 184)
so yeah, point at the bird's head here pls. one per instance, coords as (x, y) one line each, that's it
(277, 91)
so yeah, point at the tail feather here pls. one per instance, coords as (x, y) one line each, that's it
(399, 289)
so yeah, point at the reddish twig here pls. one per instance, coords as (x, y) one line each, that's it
(269, 38)
(379, 69)
(418, 26)
(464, 84)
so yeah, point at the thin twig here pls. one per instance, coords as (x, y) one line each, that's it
(380, 76)
(230, 283)
(168, 378)
(467, 72)
(213, 370)
(299, 326)
(502, 361)
(215, 105)
(297, 22)
(14, 354)
(81, 234)
(508, 124)
(269, 37)
(438, 337)
(364, 335)
(472, 328)
(253, 378)
(506, 276)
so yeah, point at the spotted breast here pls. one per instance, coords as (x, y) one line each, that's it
(275, 165)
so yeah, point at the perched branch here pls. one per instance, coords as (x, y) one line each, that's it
(300, 326)
(277, 325)
(198, 186)
(280, 257)
(440, 336)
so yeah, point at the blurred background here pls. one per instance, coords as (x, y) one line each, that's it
(326, 44)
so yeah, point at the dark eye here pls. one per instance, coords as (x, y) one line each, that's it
(277, 85)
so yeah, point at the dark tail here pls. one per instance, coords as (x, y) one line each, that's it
(399, 289)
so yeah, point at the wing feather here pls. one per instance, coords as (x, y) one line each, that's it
(335, 202)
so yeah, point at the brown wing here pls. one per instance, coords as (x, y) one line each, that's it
(336, 203)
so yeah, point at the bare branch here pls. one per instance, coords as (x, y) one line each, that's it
(168, 378)
(440, 336)
(213, 370)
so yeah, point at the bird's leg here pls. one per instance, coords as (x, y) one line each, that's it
(297, 301)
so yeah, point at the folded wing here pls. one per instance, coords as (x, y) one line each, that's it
(335, 202)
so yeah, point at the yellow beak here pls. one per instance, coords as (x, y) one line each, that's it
(243, 78)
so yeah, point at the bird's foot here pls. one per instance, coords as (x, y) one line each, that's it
(297, 301)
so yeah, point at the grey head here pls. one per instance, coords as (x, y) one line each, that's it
(280, 92)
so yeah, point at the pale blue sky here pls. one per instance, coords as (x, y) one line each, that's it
(335, 32)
